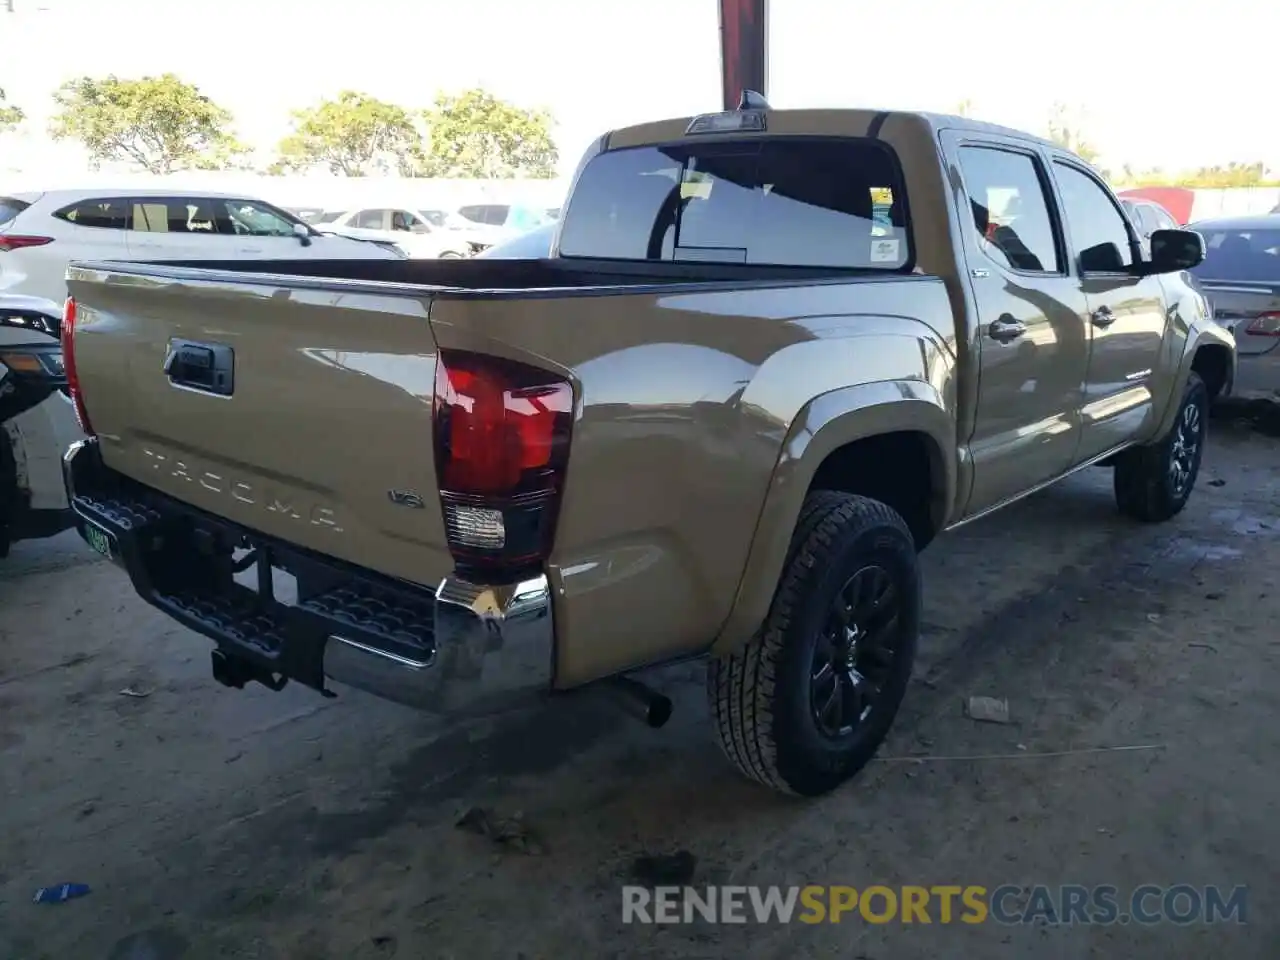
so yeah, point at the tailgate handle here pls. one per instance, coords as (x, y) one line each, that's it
(207, 367)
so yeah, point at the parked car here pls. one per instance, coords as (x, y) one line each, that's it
(40, 232)
(37, 421)
(719, 422)
(309, 214)
(530, 245)
(412, 232)
(1147, 217)
(1241, 276)
(493, 223)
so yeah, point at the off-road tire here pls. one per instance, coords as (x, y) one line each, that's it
(1143, 485)
(760, 695)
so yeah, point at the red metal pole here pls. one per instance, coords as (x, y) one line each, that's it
(744, 39)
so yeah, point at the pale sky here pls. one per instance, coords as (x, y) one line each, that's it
(1158, 83)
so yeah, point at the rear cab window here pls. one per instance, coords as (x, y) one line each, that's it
(10, 207)
(782, 201)
(1250, 255)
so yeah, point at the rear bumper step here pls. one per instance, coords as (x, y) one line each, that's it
(460, 648)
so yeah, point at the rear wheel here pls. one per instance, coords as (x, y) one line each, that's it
(1153, 483)
(810, 698)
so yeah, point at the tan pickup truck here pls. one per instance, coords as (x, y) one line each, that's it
(773, 355)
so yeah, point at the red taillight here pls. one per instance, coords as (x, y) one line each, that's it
(1264, 325)
(9, 241)
(69, 365)
(502, 434)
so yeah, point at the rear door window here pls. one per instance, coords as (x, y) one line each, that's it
(370, 220)
(10, 207)
(1009, 209)
(802, 201)
(199, 215)
(490, 214)
(108, 213)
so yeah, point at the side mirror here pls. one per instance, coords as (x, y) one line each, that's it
(303, 233)
(1174, 250)
(1102, 258)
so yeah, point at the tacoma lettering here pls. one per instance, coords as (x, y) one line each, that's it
(244, 492)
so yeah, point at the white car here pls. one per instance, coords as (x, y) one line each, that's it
(37, 422)
(421, 234)
(40, 232)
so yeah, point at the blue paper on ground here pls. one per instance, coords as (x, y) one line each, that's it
(60, 893)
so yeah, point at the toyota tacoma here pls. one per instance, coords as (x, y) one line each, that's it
(771, 356)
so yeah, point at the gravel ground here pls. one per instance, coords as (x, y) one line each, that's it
(214, 823)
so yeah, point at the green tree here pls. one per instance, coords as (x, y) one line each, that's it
(159, 123)
(964, 108)
(1232, 175)
(476, 135)
(10, 116)
(353, 135)
(1065, 129)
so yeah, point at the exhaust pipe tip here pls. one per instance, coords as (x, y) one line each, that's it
(642, 701)
(659, 711)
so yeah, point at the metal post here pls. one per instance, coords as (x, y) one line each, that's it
(744, 41)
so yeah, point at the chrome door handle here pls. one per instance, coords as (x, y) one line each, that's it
(1103, 317)
(1005, 330)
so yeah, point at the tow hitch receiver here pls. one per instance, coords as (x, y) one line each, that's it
(235, 672)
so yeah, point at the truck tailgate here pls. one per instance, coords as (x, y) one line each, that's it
(314, 426)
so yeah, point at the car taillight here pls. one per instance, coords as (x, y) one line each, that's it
(1265, 325)
(69, 365)
(9, 241)
(502, 432)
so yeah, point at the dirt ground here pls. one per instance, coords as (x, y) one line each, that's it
(213, 823)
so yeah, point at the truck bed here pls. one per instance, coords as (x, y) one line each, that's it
(498, 277)
(683, 383)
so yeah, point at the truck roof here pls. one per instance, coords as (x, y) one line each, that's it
(835, 121)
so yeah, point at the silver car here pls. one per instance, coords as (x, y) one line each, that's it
(1241, 277)
(534, 244)
(1147, 217)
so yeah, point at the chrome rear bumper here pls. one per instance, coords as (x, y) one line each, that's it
(492, 644)
(459, 649)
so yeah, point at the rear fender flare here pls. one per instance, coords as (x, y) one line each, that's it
(825, 424)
